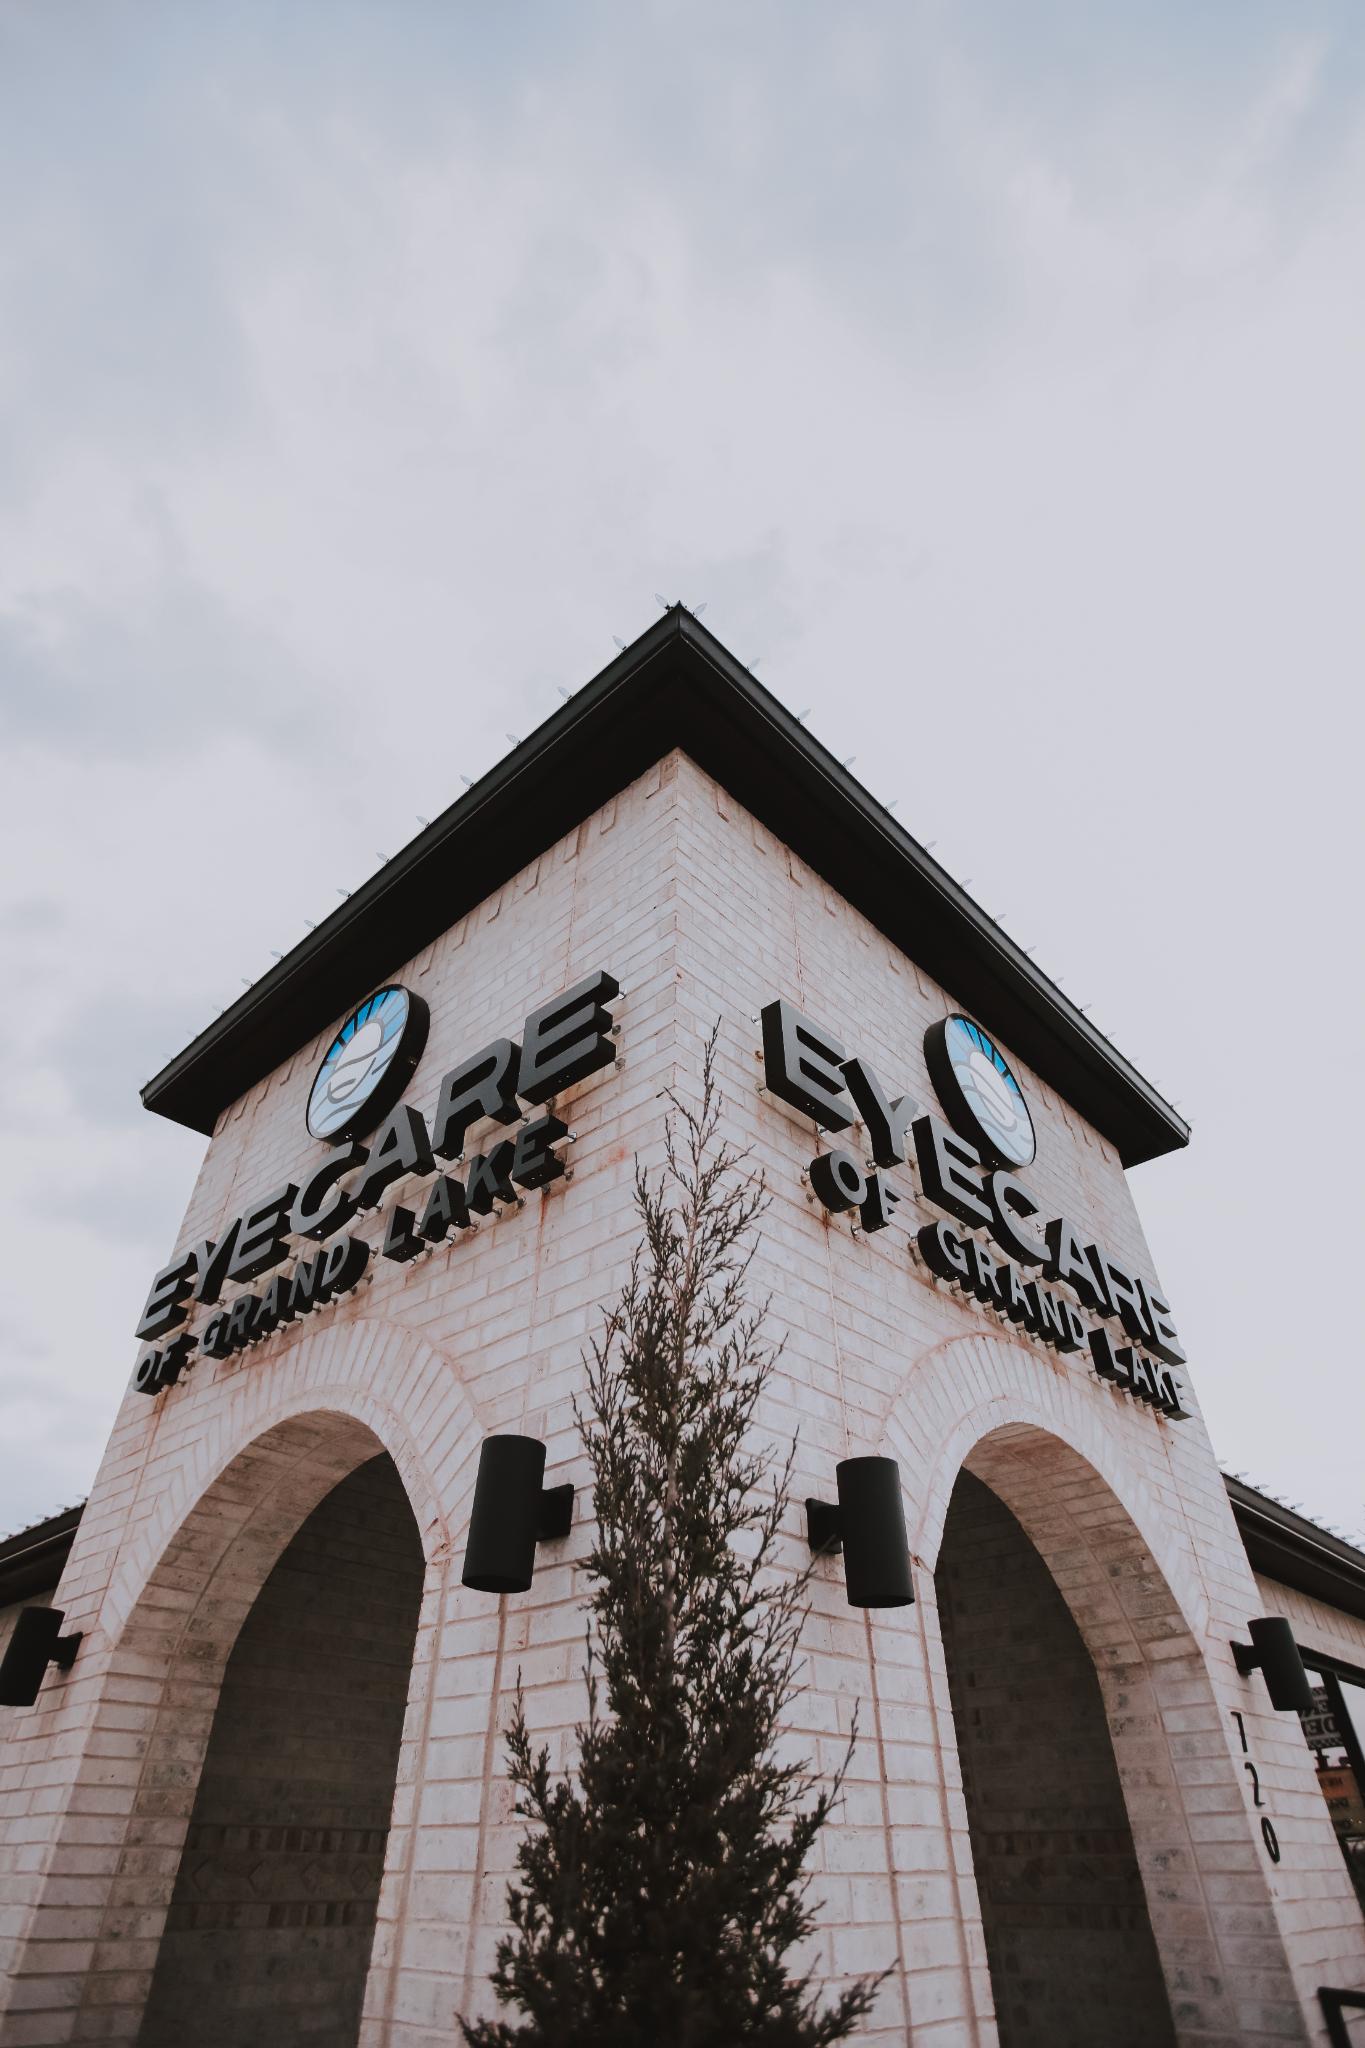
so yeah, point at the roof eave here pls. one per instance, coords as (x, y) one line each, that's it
(608, 733)
(1295, 1552)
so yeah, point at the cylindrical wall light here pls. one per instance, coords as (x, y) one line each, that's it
(1273, 1652)
(37, 1641)
(869, 1526)
(513, 1511)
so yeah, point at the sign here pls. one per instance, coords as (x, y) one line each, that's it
(977, 1088)
(1049, 1272)
(367, 1066)
(1320, 1729)
(369, 1062)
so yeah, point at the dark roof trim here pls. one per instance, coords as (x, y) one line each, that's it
(676, 686)
(1295, 1552)
(33, 1560)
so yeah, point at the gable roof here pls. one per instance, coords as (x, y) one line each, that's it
(676, 686)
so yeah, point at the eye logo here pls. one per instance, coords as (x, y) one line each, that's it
(982, 1099)
(367, 1066)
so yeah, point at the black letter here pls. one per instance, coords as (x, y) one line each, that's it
(942, 1251)
(886, 1121)
(980, 1272)
(312, 1214)
(164, 1304)
(804, 1066)
(1009, 1200)
(261, 1241)
(534, 1165)
(838, 1180)
(401, 1146)
(446, 1205)
(147, 1378)
(1075, 1328)
(342, 1266)
(1141, 1374)
(305, 1287)
(876, 1212)
(1122, 1298)
(483, 1086)
(211, 1263)
(239, 1320)
(486, 1178)
(399, 1241)
(1051, 1322)
(1067, 1261)
(949, 1170)
(1161, 1331)
(214, 1343)
(1013, 1299)
(1111, 1365)
(566, 1040)
(277, 1302)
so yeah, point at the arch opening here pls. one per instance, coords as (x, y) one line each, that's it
(272, 1915)
(1072, 1953)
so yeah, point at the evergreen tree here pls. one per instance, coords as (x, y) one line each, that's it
(661, 1887)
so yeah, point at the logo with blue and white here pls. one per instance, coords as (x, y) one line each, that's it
(367, 1066)
(983, 1101)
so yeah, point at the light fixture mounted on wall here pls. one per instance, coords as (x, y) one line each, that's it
(37, 1641)
(868, 1525)
(513, 1511)
(1273, 1652)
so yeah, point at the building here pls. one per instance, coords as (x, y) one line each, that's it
(264, 1801)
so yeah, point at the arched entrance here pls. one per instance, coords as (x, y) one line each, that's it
(272, 1916)
(1072, 1955)
(1131, 1545)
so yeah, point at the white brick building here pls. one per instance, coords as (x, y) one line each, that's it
(266, 1802)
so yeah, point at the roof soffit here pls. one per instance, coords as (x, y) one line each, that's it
(676, 686)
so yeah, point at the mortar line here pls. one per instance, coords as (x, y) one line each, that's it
(887, 1836)
(959, 1915)
(419, 1784)
(490, 1744)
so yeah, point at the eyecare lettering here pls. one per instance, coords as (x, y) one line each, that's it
(562, 1043)
(806, 1067)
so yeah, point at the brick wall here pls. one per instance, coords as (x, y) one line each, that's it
(272, 1917)
(1072, 1956)
(702, 915)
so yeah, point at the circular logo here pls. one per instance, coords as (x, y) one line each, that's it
(368, 1065)
(982, 1099)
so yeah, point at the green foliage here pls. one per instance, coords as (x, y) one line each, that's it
(661, 1887)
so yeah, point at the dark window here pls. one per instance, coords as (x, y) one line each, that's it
(1335, 1733)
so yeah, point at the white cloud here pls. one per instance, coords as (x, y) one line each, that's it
(999, 390)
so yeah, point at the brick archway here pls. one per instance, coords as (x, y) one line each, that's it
(1128, 1571)
(168, 1664)
(272, 1919)
(143, 1693)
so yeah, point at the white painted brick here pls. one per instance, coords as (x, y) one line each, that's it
(674, 889)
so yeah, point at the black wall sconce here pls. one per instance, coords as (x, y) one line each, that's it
(869, 1527)
(1273, 1652)
(513, 1511)
(37, 1642)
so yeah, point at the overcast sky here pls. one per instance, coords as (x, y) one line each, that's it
(994, 374)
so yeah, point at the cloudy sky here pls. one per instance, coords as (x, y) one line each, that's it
(993, 373)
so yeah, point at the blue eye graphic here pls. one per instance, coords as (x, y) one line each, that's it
(982, 1099)
(367, 1066)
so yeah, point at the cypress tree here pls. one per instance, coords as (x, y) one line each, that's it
(661, 1886)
